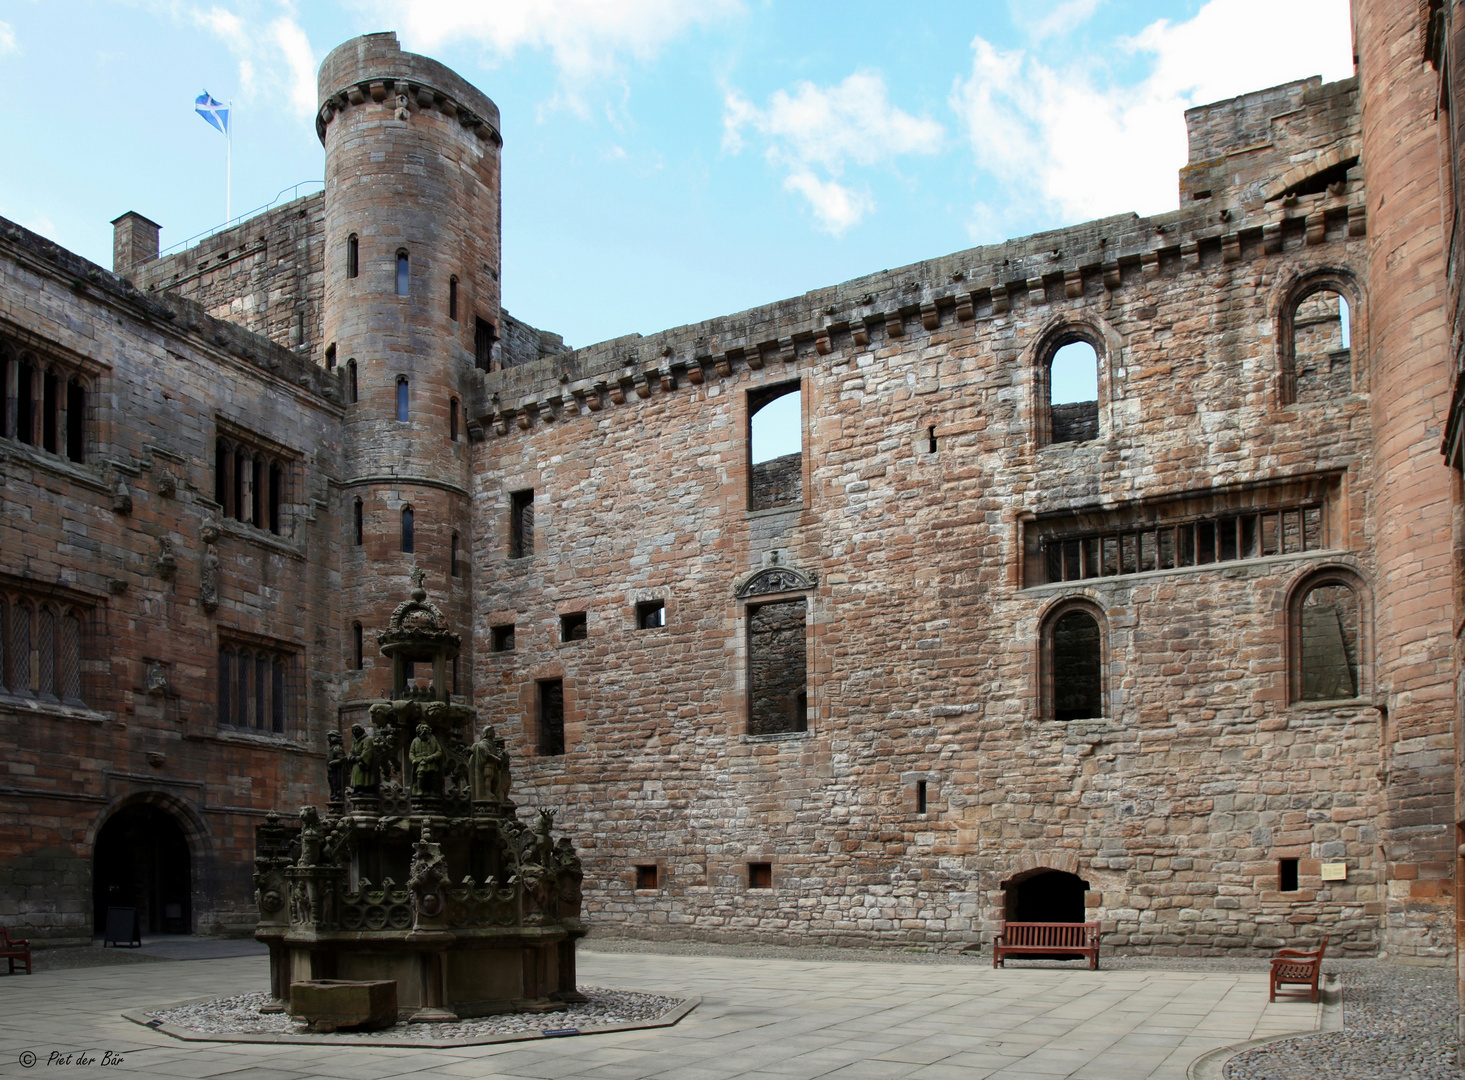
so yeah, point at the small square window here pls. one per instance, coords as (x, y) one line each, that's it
(503, 638)
(650, 614)
(646, 877)
(760, 875)
(574, 626)
(1287, 875)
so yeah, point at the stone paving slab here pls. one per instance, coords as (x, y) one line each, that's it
(758, 1018)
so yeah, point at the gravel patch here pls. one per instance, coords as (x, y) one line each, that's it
(240, 1015)
(1397, 1022)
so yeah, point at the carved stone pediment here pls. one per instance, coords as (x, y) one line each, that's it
(777, 579)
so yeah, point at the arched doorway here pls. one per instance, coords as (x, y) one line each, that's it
(1045, 895)
(141, 860)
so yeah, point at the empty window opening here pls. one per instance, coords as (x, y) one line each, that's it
(551, 710)
(1327, 630)
(75, 419)
(277, 495)
(409, 540)
(650, 614)
(775, 444)
(1073, 393)
(521, 524)
(353, 256)
(403, 276)
(453, 298)
(359, 646)
(256, 688)
(453, 567)
(4, 395)
(331, 357)
(760, 875)
(646, 878)
(1075, 667)
(351, 389)
(1045, 896)
(402, 398)
(503, 638)
(359, 523)
(1322, 356)
(483, 339)
(453, 419)
(777, 677)
(574, 627)
(930, 440)
(1287, 875)
(920, 796)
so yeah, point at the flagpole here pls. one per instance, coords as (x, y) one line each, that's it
(229, 165)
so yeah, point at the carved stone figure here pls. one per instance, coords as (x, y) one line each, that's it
(426, 755)
(335, 765)
(428, 882)
(208, 590)
(157, 679)
(488, 770)
(365, 761)
(166, 563)
(311, 835)
(571, 878)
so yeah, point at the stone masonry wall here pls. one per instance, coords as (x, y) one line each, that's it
(923, 644)
(162, 376)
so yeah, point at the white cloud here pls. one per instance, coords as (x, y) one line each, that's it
(7, 39)
(277, 53)
(1085, 146)
(1067, 15)
(827, 128)
(589, 39)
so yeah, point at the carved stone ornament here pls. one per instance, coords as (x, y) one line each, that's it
(418, 620)
(157, 680)
(208, 531)
(166, 563)
(777, 579)
(208, 590)
(122, 498)
(167, 484)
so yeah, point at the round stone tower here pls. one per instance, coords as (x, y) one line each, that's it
(411, 301)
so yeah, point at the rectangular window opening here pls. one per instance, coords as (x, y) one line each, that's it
(483, 339)
(920, 796)
(403, 275)
(521, 524)
(503, 638)
(551, 709)
(760, 875)
(777, 661)
(1287, 875)
(574, 626)
(650, 614)
(646, 878)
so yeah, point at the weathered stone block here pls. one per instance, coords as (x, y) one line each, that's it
(330, 1004)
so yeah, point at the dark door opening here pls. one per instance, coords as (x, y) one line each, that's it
(1046, 896)
(142, 861)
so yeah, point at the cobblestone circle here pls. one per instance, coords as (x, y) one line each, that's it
(1398, 1022)
(240, 1015)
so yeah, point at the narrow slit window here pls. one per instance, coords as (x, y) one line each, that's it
(453, 419)
(50, 391)
(402, 398)
(277, 495)
(358, 523)
(930, 440)
(331, 357)
(920, 796)
(483, 339)
(453, 298)
(353, 256)
(351, 388)
(404, 277)
(409, 542)
(551, 715)
(521, 524)
(25, 405)
(358, 646)
(76, 421)
(453, 568)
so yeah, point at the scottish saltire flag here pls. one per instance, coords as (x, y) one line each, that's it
(213, 111)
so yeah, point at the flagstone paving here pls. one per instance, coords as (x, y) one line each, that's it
(759, 1018)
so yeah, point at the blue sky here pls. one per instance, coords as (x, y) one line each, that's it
(665, 161)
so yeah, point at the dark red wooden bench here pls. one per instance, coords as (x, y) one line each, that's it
(13, 949)
(1038, 940)
(1297, 967)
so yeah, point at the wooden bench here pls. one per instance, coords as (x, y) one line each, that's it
(1037, 940)
(13, 949)
(1299, 967)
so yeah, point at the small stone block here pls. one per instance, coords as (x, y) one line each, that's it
(330, 1004)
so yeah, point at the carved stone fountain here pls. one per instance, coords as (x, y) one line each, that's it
(419, 871)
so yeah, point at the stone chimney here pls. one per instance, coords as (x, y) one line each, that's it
(134, 242)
